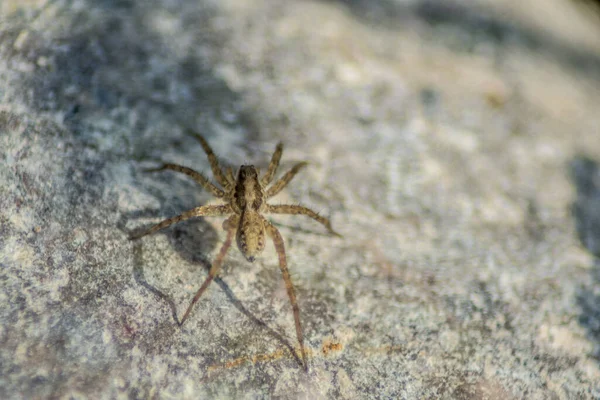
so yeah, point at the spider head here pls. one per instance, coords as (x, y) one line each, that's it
(247, 172)
(251, 235)
(248, 192)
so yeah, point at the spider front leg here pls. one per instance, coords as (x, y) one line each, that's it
(203, 211)
(214, 163)
(295, 210)
(285, 179)
(230, 176)
(197, 176)
(230, 226)
(280, 248)
(268, 177)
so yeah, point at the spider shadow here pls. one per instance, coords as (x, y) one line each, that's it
(585, 174)
(185, 238)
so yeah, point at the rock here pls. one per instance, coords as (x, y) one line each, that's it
(455, 148)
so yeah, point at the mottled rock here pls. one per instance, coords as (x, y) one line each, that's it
(454, 145)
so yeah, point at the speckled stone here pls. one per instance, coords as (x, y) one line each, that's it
(454, 145)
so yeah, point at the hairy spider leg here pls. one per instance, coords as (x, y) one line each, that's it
(214, 163)
(202, 211)
(230, 226)
(197, 176)
(273, 165)
(284, 180)
(300, 210)
(280, 248)
(230, 176)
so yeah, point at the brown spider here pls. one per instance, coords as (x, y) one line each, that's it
(245, 198)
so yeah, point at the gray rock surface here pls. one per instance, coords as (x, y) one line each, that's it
(454, 145)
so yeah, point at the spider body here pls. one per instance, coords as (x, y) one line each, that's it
(245, 201)
(248, 203)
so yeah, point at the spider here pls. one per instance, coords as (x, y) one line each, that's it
(245, 200)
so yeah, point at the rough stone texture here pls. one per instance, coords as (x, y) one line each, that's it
(455, 146)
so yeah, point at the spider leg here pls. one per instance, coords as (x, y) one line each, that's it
(268, 176)
(230, 176)
(230, 226)
(214, 163)
(280, 248)
(284, 180)
(203, 211)
(295, 210)
(197, 176)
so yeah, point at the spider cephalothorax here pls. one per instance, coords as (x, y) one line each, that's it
(245, 201)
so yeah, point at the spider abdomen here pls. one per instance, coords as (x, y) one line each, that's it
(251, 234)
